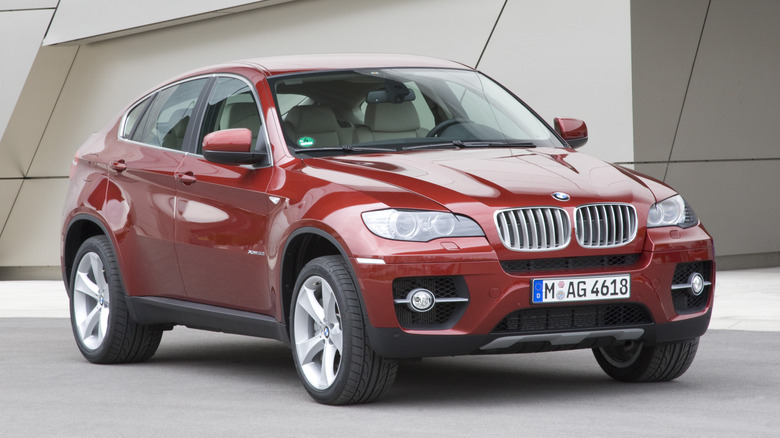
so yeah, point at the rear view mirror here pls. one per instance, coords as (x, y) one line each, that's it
(231, 146)
(574, 131)
(394, 92)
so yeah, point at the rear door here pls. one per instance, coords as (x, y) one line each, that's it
(142, 166)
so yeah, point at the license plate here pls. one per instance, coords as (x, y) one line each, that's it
(574, 289)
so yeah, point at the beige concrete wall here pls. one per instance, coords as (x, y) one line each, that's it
(706, 107)
(569, 58)
(85, 21)
(73, 89)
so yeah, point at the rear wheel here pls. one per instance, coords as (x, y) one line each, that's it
(635, 361)
(329, 343)
(101, 323)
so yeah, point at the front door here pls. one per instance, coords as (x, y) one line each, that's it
(222, 211)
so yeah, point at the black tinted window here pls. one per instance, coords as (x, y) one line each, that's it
(231, 105)
(165, 122)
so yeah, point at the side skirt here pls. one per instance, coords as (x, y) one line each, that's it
(157, 310)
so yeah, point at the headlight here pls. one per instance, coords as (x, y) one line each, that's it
(419, 226)
(671, 212)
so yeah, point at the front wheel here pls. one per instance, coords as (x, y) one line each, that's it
(329, 343)
(635, 361)
(101, 322)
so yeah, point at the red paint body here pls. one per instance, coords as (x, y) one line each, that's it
(218, 234)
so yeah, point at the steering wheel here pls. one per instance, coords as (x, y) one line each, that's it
(443, 126)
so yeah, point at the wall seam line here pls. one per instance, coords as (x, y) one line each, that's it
(53, 108)
(11, 210)
(687, 88)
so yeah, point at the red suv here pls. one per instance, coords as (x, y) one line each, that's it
(369, 208)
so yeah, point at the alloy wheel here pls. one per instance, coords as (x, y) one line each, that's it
(91, 301)
(318, 335)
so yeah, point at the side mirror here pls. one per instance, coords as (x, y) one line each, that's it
(232, 146)
(574, 131)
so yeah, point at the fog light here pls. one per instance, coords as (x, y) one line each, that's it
(421, 300)
(697, 283)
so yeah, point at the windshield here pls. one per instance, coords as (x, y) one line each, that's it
(402, 109)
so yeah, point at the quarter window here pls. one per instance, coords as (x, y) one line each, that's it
(133, 117)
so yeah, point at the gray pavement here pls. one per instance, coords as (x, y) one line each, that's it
(202, 384)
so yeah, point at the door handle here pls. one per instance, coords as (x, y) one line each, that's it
(186, 178)
(118, 166)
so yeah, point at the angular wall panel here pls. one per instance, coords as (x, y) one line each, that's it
(664, 38)
(99, 19)
(737, 201)
(33, 110)
(18, 5)
(21, 33)
(8, 191)
(734, 99)
(31, 236)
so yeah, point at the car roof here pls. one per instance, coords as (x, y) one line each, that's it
(300, 63)
(275, 65)
(286, 64)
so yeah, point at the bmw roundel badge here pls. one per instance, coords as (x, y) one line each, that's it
(561, 196)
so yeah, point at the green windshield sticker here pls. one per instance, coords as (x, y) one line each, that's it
(305, 142)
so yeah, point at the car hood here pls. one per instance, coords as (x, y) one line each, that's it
(495, 177)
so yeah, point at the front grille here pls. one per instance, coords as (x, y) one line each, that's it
(605, 225)
(534, 228)
(684, 301)
(443, 314)
(569, 263)
(573, 318)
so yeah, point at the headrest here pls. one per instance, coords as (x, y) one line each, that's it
(312, 119)
(392, 117)
(241, 115)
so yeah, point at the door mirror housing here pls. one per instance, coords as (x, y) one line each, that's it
(574, 131)
(232, 146)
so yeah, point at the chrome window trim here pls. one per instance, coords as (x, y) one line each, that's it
(255, 96)
(264, 125)
(121, 131)
(123, 124)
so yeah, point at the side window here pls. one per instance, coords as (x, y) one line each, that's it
(165, 122)
(133, 117)
(230, 105)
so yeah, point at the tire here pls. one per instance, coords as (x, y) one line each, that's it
(638, 362)
(329, 342)
(99, 317)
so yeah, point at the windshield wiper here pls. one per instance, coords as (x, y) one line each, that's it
(450, 144)
(469, 144)
(345, 148)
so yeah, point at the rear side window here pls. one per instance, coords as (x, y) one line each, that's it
(164, 121)
(133, 117)
(231, 105)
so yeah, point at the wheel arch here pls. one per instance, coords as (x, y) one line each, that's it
(303, 245)
(80, 228)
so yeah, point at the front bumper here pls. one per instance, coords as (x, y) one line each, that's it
(397, 343)
(497, 295)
